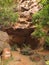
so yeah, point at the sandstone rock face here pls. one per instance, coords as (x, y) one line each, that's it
(20, 32)
(4, 38)
(28, 6)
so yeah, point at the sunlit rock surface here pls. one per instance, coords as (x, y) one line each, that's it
(4, 41)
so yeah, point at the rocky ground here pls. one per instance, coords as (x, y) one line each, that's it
(22, 56)
(19, 59)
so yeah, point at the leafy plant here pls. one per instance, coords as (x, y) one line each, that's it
(14, 47)
(7, 13)
(38, 32)
(41, 20)
(26, 50)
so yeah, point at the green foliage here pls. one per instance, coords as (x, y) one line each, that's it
(42, 17)
(26, 50)
(47, 62)
(38, 32)
(47, 40)
(41, 20)
(5, 3)
(7, 13)
(46, 45)
(44, 2)
(14, 47)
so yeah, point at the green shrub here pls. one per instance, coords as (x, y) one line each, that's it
(7, 13)
(41, 20)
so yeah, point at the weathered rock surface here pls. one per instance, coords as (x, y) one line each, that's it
(4, 36)
(29, 6)
(20, 33)
(4, 41)
(21, 36)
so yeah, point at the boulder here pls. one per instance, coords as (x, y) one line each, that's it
(4, 41)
